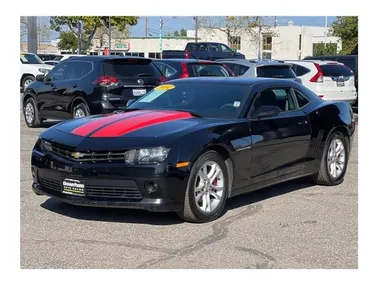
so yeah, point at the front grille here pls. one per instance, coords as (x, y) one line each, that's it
(50, 184)
(95, 191)
(94, 157)
(113, 192)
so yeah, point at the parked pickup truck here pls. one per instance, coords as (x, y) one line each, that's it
(203, 50)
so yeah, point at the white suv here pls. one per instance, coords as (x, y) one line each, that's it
(31, 66)
(330, 80)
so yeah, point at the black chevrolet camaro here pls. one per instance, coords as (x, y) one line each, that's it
(188, 145)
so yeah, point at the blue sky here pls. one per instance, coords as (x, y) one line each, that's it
(177, 23)
(171, 24)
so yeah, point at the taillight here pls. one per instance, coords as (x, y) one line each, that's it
(228, 69)
(187, 54)
(185, 71)
(320, 96)
(106, 81)
(318, 77)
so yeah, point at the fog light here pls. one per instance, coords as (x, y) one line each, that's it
(151, 186)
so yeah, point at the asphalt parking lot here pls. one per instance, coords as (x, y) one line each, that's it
(292, 225)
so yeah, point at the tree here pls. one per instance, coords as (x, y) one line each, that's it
(346, 28)
(68, 41)
(90, 25)
(231, 26)
(181, 33)
(319, 49)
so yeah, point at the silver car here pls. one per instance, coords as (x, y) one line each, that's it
(261, 68)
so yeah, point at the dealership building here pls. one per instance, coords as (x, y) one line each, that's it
(281, 42)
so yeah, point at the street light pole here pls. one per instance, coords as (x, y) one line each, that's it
(32, 34)
(161, 24)
(325, 30)
(109, 35)
(196, 29)
(259, 55)
(79, 37)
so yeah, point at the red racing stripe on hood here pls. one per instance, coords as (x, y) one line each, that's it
(91, 126)
(126, 126)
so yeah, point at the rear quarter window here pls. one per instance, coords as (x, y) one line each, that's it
(121, 68)
(209, 70)
(333, 70)
(300, 70)
(272, 71)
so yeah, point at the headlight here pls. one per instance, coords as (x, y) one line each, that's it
(46, 146)
(146, 155)
(43, 70)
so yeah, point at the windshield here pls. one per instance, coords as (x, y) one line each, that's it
(30, 58)
(204, 99)
(58, 58)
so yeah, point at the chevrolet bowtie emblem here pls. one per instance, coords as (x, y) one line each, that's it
(77, 155)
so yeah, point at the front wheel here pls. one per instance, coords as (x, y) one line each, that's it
(31, 114)
(334, 161)
(207, 189)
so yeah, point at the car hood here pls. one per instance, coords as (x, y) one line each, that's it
(132, 128)
(45, 66)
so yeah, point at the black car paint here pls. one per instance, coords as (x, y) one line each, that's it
(258, 153)
(55, 99)
(207, 54)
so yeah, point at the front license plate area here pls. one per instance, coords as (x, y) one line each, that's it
(138, 92)
(75, 187)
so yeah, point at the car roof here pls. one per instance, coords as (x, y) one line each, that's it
(253, 62)
(108, 57)
(242, 81)
(188, 60)
(320, 62)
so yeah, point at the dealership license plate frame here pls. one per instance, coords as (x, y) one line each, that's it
(72, 190)
(138, 92)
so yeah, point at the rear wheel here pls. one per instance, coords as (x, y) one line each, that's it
(31, 114)
(334, 161)
(207, 189)
(27, 81)
(80, 110)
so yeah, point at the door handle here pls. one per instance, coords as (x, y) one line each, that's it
(303, 122)
(75, 85)
(53, 87)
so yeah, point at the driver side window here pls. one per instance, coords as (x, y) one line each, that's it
(57, 73)
(278, 97)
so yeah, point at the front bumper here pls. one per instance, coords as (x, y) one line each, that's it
(149, 204)
(114, 185)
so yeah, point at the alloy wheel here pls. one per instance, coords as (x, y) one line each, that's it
(336, 158)
(209, 187)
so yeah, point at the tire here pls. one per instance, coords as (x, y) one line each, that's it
(28, 79)
(81, 109)
(324, 176)
(31, 115)
(191, 211)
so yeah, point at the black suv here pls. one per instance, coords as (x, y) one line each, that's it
(82, 86)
